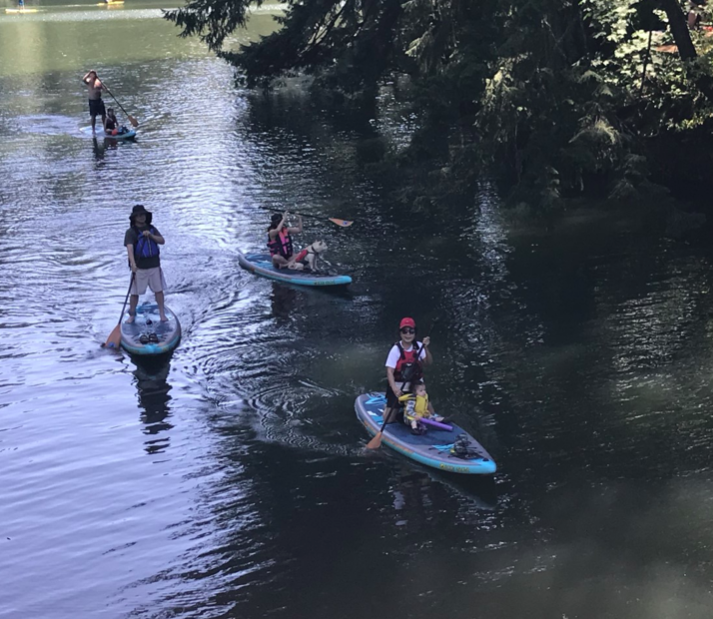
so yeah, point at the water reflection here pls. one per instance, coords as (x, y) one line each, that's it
(282, 301)
(417, 491)
(153, 390)
(98, 149)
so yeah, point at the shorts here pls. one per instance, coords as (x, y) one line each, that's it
(391, 400)
(96, 108)
(153, 278)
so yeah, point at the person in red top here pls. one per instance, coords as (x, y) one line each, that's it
(404, 365)
(279, 239)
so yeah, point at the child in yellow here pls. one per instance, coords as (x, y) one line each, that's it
(418, 407)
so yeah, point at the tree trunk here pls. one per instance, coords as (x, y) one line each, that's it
(686, 49)
(679, 29)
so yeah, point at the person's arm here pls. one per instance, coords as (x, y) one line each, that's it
(298, 228)
(392, 382)
(154, 237)
(425, 353)
(275, 231)
(86, 77)
(132, 259)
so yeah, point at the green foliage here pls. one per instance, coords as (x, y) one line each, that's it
(555, 97)
(211, 20)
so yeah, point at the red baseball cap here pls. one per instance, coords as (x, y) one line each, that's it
(407, 322)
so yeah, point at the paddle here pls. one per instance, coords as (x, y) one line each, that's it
(342, 223)
(132, 120)
(375, 442)
(114, 338)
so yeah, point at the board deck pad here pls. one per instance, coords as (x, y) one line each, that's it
(432, 448)
(261, 264)
(147, 335)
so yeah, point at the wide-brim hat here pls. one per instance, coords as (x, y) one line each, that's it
(138, 210)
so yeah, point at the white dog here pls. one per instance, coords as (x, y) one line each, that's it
(308, 257)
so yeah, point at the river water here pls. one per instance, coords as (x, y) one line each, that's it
(231, 480)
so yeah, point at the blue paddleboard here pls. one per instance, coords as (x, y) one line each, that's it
(147, 335)
(129, 135)
(432, 448)
(261, 264)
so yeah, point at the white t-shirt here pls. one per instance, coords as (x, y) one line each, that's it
(395, 354)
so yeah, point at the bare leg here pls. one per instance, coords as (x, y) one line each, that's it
(133, 302)
(161, 308)
(388, 415)
(279, 262)
(94, 122)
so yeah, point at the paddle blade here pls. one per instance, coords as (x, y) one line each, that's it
(114, 339)
(341, 222)
(375, 442)
(133, 121)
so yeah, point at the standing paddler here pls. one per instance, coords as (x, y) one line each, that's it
(96, 105)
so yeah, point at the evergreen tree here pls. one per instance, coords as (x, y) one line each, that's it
(558, 96)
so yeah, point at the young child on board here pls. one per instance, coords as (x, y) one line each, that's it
(111, 124)
(418, 407)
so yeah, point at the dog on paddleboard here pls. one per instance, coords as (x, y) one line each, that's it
(310, 257)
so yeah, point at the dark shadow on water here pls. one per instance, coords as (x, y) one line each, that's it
(154, 390)
(282, 301)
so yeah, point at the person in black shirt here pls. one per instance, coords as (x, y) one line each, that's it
(141, 241)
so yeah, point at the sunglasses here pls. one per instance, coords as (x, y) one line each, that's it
(408, 330)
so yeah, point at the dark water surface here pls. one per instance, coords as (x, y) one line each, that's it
(232, 480)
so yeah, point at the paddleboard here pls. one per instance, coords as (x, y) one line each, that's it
(21, 10)
(129, 135)
(432, 448)
(147, 335)
(261, 264)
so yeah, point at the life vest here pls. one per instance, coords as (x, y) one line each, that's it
(281, 244)
(408, 367)
(416, 406)
(146, 247)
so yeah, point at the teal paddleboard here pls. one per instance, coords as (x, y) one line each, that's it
(435, 448)
(127, 135)
(147, 335)
(261, 264)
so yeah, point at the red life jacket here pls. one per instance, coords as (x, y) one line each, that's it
(282, 244)
(408, 367)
